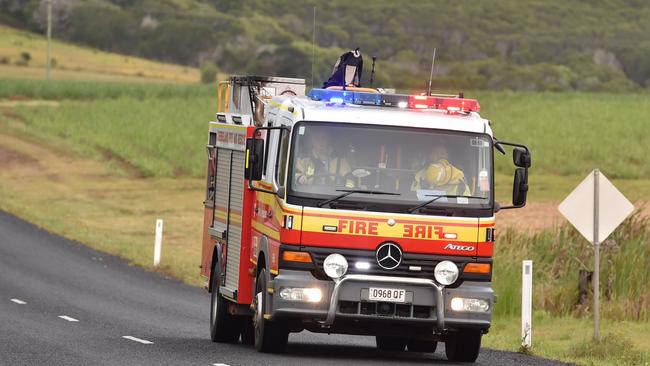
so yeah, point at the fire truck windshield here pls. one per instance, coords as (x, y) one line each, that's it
(413, 164)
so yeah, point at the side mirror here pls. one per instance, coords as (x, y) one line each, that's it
(254, 159)
(521, 157)
(520, 187)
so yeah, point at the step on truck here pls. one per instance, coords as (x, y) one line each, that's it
(351, 211)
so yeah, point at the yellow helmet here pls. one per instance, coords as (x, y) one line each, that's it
(443, 173)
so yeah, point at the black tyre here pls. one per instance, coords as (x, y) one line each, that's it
(419, 345)
(224, 327)
(387, 343)
(270, 337)
(248, 332)
(463, 346)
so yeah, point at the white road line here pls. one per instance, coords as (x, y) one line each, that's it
(132, 338)
(65, 317)
(220, 364)
(18, 301)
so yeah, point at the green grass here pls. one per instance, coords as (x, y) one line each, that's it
(611, 346)
(92, 90)
(158, 137)
(573, 133)
(559, 253)
(554, 188)
(569, 133)
(570, 339)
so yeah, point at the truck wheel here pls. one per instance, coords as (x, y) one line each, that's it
(419, 345)
(387, 343)
(270, 337)
(463, 346)
(247, 332)
(224, 327)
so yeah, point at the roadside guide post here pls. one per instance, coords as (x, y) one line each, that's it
(527, 304)
(157, 246)
(596, 193)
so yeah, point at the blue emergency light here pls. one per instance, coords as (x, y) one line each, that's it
(332, 96)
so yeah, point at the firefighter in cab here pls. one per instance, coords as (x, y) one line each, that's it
(439, 174)
(320, 166)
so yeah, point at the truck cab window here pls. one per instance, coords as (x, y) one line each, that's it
(413, 164)
(281, 161)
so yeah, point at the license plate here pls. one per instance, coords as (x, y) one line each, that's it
(386, 294)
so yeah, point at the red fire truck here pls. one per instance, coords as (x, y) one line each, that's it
(352, 211)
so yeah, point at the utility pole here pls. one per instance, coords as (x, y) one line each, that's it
(49, 38)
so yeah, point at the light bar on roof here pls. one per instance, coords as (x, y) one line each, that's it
(449, 104)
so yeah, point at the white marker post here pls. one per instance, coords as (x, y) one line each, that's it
(527, 304)
(157, 247)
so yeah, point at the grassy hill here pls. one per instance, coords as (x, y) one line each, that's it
(549, 45)
(23, 56)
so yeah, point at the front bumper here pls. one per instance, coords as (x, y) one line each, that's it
(346, 300)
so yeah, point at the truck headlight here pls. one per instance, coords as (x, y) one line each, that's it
(335, 265)
(446, 273)
(301, 294)
(469, 305)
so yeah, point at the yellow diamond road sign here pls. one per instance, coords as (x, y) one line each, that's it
(612, 208)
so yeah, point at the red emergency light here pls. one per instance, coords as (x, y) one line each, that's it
(449, 104)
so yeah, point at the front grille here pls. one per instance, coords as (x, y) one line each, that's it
(425, 262)
(385, 309)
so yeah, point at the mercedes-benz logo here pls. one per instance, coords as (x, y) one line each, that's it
(389, 255)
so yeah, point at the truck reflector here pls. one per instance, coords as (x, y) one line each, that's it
(291, 256)
(483, 268)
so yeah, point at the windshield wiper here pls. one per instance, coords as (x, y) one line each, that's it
(351, 191)
(437, 197)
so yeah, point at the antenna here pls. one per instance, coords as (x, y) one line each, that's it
(372, 73)
(313, 49)
(433, 62)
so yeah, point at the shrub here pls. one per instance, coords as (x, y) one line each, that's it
(24, 59)
(611, 346)
(208, 72)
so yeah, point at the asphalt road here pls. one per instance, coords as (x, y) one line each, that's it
(62, 303)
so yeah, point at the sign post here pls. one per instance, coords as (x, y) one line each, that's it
(584, 210)
(596, 276)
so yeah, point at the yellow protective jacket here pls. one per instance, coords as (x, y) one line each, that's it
(312, 167)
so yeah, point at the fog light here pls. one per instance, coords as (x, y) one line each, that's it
(470, 305)
(301, 294)
(445, 273)
(335, 265)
